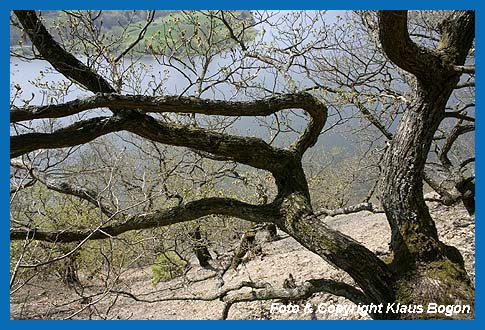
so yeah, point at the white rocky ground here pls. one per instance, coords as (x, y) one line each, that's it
(278, 260)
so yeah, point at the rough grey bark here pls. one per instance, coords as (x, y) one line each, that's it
(291, 209)
(414, 242)
(413, 231)
(419, 257)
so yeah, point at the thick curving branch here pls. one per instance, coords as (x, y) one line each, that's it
(174, 104)
(373, 276)
(183, 213)
(78, 133)
(247, 150)
(75, 70)
(61, 60)
(401, 50)
(154, 129)
(458, 32)
(370, 273)
(318, 117)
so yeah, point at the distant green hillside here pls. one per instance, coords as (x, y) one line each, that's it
(189, 32)
(179, 32)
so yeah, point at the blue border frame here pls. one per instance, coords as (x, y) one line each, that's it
(7, 5)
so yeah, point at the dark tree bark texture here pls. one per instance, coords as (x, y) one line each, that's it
(422, 269)
(200, 248)
(419, 257)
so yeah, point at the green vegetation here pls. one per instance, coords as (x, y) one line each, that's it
(168, 265)
(179, 32)
(189, 32)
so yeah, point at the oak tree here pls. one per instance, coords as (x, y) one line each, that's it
(421, 268)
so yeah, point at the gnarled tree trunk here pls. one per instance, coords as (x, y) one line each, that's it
(425, 269)
(422, 270)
